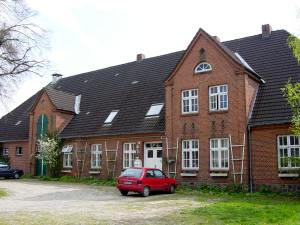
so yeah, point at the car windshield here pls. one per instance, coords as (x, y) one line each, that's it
(132, 173)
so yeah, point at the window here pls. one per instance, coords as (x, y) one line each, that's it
(159, 174)
(190, 101)
(67, 160)
(96, 156)
(288, 152)
(218, 98)
(190, 154)
(203, 67)
(155, 109)
(19, 151)
(149, 174)
(111, 116)
(129, 152)
(5, 152)
(219, 154)
(67, 156)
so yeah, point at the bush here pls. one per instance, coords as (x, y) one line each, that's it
(265, 189)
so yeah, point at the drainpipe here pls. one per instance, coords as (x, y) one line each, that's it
(250, 181)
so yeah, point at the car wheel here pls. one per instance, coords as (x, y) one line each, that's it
(124, 193)
(146, 191)
(16, 176)
(172, 189)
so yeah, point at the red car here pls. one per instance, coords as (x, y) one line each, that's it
(144, 181)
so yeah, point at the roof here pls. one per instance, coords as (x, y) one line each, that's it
(61, 100)
(272, 59)
(115, 88)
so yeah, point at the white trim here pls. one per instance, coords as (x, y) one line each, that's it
(203, 70)
(190, 99)
(190, 151)
(98, 155)
(188, 174)
(130, 151)
(218, 174)
(288, 147)
(288, 175)
(111, 116)
(218, 149)
(217, 97)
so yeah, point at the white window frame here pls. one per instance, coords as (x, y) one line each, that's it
(96, 156)
(17, 152)
(155, 110)
(67, 160)
(219, 149)
(112, 115)
(217, 98)
(5, 151)
(289, 148)
(192, 100)
(189, 151)
(129, 153)
(203, 67)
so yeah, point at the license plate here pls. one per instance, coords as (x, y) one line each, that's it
(127, 182)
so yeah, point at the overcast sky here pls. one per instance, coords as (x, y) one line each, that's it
(86, 35)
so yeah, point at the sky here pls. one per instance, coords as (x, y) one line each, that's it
(86, 35)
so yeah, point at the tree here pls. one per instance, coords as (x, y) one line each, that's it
(21, 44)
(50, 152)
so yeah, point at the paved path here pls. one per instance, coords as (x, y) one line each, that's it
(33, 202)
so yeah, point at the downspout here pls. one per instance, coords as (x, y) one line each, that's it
(250, 177)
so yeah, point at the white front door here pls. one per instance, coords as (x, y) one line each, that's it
(153, 155)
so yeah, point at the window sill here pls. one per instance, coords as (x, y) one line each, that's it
(218, 111)
(188, 174)
(94, 172)
(189, 114)
(283, 175)
(19, 155)
(219, 170)
(223, 174)
(66, 171)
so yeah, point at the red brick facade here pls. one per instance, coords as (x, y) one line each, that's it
(203, 125)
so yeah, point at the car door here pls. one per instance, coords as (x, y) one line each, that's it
(149, 180)
(161, 181)
(4, 171)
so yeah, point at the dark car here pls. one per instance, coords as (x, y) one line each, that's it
(7, 172)
(144, 181)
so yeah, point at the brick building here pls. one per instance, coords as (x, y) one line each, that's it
(213, 113)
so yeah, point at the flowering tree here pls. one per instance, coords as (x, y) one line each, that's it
(49, 152)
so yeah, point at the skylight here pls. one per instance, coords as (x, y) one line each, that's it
(155, 109)
(18, 123)
(111, 116)
(203, 67)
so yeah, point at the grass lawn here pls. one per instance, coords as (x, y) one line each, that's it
(3, 193)
(242, 209)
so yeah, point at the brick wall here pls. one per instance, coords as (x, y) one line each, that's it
(19, 161)
(205, 124)
(265, 158)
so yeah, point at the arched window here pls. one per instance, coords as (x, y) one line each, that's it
(203, 67)
(42, 126)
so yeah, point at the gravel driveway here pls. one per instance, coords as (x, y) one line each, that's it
(33, 202)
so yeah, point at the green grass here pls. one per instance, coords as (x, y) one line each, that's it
(248, 209)
(3, 193)
(72, 179)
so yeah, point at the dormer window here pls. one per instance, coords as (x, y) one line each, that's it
(203, 67)
(155, 109)
(111, 116)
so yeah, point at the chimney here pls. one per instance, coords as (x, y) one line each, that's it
(216, 38)
(56, 77)
(140, 57)
(266, 30)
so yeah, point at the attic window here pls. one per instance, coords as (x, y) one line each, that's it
(117, 74)
(203, 67)
(111, 116)
(18, 123)
(134, 82)
(155, 109)
(87, 113)
(85, 81)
